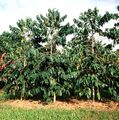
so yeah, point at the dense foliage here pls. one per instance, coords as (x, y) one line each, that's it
(45, 66)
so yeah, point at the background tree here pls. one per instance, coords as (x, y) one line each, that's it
(82, 68)
(53, 33)
(85, 52)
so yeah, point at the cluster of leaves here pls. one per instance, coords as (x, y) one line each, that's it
(83, 68)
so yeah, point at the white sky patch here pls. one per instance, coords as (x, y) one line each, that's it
(13, 10)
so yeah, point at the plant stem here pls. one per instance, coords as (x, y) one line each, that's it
(93, 51)
(54, 97)
(23, 87)
(93, 94)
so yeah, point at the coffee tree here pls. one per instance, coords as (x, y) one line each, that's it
(82, 68)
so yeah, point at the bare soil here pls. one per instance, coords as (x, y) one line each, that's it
(72, 104)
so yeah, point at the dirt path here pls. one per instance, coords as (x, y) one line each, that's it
(73, 104)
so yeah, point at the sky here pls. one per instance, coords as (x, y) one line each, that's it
(13, 10)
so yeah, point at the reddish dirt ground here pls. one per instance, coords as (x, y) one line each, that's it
(72, 104)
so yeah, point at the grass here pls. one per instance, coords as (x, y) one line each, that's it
(12, 113)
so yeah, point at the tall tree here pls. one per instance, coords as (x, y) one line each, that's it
(53, 33)
(86, 26)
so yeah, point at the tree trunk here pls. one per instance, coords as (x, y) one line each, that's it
(51, 51)
(93, 44)
(93, 94)
(54, 97)
(98, 93)
(23, 87)
(51, 48)
(93, 51)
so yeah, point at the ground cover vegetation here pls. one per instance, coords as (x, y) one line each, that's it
(11, 113)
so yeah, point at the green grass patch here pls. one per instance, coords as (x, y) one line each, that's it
(12, 113)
